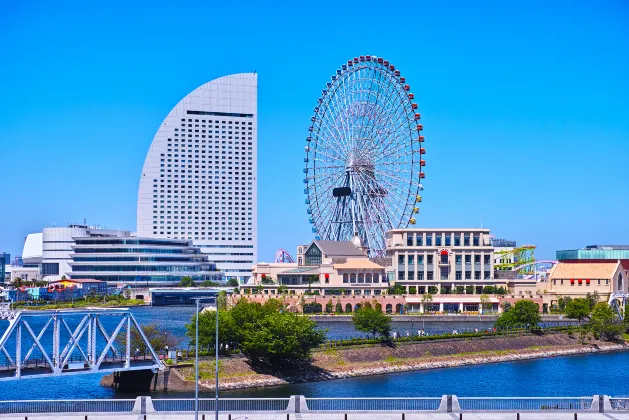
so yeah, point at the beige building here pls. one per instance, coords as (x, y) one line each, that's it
(577, 279)
(446, 259)
(323, 267)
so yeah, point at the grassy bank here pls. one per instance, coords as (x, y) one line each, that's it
(334, 363)
(111, 302)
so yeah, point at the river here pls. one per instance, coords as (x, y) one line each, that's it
(594, 373)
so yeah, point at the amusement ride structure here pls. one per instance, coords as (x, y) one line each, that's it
(364, 160)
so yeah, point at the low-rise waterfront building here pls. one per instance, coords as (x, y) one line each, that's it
(576, 280)
(453, 266)
(140, 261)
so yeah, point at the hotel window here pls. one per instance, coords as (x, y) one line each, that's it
(476, 259)
(419, 240)
(420, 275)
(466, 240)
(459, 275)
(457, 240)
(400, 259)
(438, 240)
(429, 240)
(411, 260)
(468, 259)
(448, 239)
(430, 275)
(468, 275)
(429, 261)
(411, 275)
(345, 278)
(444, 273)
(476, 275)
(409, 239)
(486, 259)
(487, 275)
(400, 275)
(420, 260)
(476, 240)
(458, 259)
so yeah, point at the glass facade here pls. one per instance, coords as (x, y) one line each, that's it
(593, 254)
(143, 260)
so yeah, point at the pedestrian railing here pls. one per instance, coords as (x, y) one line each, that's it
(224, 404)
(66, 406)
(373, 404)
(297, 404)
(525, 404)
(619, 403)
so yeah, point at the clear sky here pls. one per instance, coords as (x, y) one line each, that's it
(525, 106)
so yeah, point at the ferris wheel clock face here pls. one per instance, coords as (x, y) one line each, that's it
(364, 155)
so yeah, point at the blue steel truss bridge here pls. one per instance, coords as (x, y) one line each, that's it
(73, 341)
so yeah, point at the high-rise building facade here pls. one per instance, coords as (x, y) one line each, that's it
(199, 180)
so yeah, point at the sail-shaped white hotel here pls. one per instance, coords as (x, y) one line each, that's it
(199, 179)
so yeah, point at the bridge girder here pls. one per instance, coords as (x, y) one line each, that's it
(66, 350)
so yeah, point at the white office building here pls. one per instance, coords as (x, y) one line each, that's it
(199, 180)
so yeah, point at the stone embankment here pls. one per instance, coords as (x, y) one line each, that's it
(328, 364)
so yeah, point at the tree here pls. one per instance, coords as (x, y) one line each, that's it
(259, 289)
(398, 289)
(578, 309)
(432, 290)
(469, 290)
(412, 290)
(282, 289)
(372, 320)
(227, 330)
(158, 336)
(562, 302)
(604, 324)
(505, 306)
(592, 299)
(484, 302)
(426, 300)
(232, 282)
(329, 307)
(210, 283)
(460, 290)
(523, 312)
(489, 290)
(127, 294)
(186, 282)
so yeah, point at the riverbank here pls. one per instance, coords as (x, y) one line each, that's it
(235, 372)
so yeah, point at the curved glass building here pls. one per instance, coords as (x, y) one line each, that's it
(199, 180)
(143, 261)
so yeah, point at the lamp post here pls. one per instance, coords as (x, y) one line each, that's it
(196, 358)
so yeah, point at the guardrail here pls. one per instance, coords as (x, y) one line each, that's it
(224, 404)
(525, 404)
(300, 404)
(66, 406)
(619, 403)
(373, 404)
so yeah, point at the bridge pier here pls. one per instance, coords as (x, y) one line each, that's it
(134, 380)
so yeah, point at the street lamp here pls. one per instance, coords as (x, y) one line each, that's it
(196, 357)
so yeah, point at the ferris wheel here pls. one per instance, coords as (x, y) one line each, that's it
(364, 160)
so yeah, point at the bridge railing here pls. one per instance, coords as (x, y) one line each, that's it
(66, 406)
(525, 404)
(224, 404)
(373, 404)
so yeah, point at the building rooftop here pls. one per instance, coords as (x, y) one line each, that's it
(607, 247)
(358, 263)
(339, 249)
(564, 270)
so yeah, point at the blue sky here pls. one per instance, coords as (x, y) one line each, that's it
(525, 106)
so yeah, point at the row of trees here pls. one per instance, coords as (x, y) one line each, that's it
(595, 318)
(266, 334)
(188, 282)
